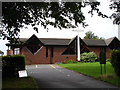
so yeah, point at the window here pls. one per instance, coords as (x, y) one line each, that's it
(33, 48)
(69, 51)
(33, 45)
(46, 51)
(16, 51)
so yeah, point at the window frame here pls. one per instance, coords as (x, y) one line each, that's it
(16, 51)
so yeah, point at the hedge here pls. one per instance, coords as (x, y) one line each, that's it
(115, 61)
(12, 64)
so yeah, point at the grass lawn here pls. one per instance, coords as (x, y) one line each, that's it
(17, 83)
(93, 70)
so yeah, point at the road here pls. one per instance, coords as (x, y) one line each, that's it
(54, 76)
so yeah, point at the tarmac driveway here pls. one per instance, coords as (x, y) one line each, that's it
(53, 76)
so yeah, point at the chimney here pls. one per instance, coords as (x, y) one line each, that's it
(119, 31)
(10, 52)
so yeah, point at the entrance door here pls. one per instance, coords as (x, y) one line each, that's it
(51, 55)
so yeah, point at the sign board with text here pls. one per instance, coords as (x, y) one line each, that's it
(22, 73)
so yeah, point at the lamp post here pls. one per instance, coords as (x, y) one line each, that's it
(78, 44)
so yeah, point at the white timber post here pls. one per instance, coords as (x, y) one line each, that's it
(78, 44)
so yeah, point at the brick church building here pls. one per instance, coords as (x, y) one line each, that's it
(55, 50)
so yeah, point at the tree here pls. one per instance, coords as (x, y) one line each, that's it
(16, 15)
(116, 15)
(90, 35)
(115, 61)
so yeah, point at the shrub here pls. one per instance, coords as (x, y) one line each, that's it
(108, 60)
(12, 64)
(69, 61)
(19, 62)
(115, 61)
(7, 66)
(88, 57)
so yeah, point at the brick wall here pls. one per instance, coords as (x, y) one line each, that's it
(40, 56)
(58, 57)
(97, 51)
(108, 54)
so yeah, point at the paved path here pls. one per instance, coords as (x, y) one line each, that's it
(53, 76)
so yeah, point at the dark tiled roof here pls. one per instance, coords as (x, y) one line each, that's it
(54, 41)
(109, 40)
(50, 41)
(64, 41)
(72, 40)
(91, 42)
(24, 39)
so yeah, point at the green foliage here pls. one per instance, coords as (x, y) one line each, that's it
(115, 61)
(108, 60)
(88, 57)
(12, 64)
(69, 61)
(91, 35)
(115, 6)
(102, 57)
(16, 15)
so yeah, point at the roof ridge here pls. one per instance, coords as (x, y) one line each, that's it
(54, 38)
(92, 39)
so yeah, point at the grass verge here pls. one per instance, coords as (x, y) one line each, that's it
(19, 83)
(93, 70)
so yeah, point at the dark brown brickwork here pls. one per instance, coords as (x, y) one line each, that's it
(97, 50)
(10, 52)
(56, 47)
(108, 54)
(40, 56)
(58, 57)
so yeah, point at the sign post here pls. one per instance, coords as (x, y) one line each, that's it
(102, 61)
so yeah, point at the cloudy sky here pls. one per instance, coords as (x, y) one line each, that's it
(100, 26)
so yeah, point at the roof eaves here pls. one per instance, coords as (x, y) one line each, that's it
(71, 40)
